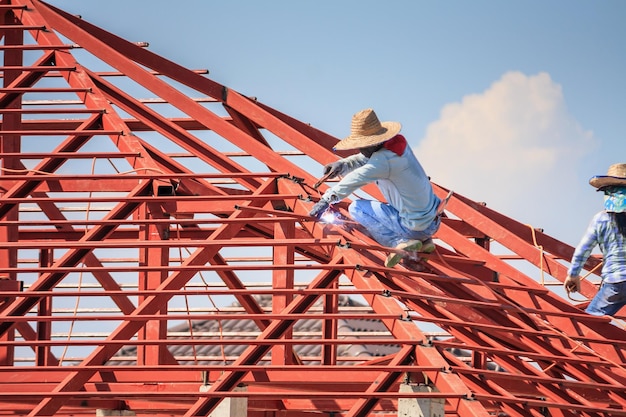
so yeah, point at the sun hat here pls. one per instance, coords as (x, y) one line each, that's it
(366, 130)
(616, 175)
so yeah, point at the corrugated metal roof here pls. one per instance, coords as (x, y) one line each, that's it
(207, 354)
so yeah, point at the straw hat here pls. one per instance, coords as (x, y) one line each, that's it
(615, 176)
(367, 130)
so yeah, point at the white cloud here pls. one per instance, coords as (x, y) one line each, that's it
(514, 146)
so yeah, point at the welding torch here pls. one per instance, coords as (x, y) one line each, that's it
(323, 179)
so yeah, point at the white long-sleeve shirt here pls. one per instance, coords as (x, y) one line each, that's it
(400, 178)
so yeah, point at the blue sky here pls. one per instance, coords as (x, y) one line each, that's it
(514, 103)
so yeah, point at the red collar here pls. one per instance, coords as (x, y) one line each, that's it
(396, 144)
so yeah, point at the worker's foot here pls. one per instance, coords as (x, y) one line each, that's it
(408, 246)
(428, 246)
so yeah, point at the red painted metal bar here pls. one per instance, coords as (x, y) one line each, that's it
(500, 228)
(34, 68)
(603, 330)
(209, 87)
(81, 244)
(10, 143)
(49, 165)
(121, 74)
(185, 378)
(76, 155)
(365, 403)
(13, 28)
(252, 354)
(22, 79)
(139, 175)
(129, 328)
(407, 330)
(545, 347)
(219, 395)
(62, 132)
(109, 119)
(64, 110)
(284, 216)
(274, 372)
(208, 316)
(147, 199)
(452, 326)
(133, 124)
(169, 129)
(35, 47)
(507, 273)
(191, 292)
(497, 354)
(49, 280)
(551, 356)
(44, 89)
(98, 40)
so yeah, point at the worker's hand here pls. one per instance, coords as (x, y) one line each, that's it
(333, 169)
(319, 208)
(572, 284)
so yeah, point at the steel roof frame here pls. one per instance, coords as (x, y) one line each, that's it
(148, 231)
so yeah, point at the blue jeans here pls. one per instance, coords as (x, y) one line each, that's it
(382, 221)
(609, 299)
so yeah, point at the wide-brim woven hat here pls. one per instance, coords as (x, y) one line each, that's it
(366, 130)
(616, 175)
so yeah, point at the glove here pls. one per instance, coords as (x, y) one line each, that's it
(333, 169)
(572, 284)
(319, 208)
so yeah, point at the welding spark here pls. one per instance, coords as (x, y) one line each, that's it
(328, 217)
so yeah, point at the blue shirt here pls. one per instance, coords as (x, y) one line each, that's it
(602, 232)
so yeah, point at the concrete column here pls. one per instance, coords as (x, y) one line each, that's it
(230, 406)
(420, 407)
(101, 412)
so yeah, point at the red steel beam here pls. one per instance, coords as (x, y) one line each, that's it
(551, 355)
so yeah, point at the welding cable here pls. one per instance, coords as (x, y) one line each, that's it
(540, 247)
(581, 279)
(541, 254)
(80, 276)
(190, 324)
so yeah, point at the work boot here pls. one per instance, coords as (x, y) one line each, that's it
(407, 246)
(428, 246)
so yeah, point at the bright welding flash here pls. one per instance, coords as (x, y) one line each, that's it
(328, 217)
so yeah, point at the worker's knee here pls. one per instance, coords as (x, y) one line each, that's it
(358, 209)
(352, 208)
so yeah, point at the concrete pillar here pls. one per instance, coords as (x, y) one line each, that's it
(230, 406)
(101, 412)
(420, 407)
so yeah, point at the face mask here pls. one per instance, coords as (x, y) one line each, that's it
(615, 199)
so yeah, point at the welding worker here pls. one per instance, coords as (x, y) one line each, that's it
(410, 217)
(608, 231)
